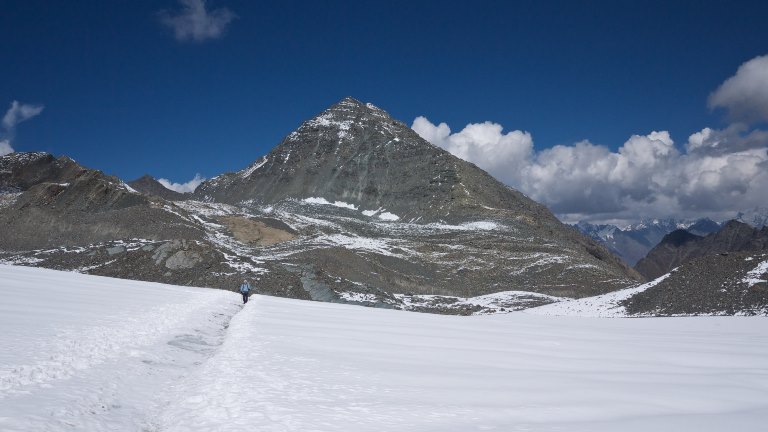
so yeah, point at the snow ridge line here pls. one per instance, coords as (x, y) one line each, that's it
(77, 349)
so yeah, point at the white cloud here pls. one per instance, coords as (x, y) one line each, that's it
(484, 144)
(722, 171)
(718, 172)
(19, 112)
(745, 95)
(194, 23)
(189, 186)
(5, 147)
(735, 137)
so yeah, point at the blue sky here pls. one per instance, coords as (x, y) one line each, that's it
(123, 93)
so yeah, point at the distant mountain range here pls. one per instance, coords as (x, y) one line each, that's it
(681, 246)
(633, 242)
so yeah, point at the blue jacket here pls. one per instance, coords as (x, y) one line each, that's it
(244, 288)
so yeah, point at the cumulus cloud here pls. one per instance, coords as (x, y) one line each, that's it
(195, 23)
(720, 171)
(716, 173)
(189, 186)
(745, 95)
(484, 144)
(17, 113)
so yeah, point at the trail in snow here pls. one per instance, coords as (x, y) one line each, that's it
(90, 353)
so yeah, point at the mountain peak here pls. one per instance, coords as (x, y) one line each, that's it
(354, 152)
(348, 101)
(351, 109)
(149, 185)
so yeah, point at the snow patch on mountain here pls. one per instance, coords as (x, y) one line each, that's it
(387, 216)
(250, 170)
(753, 277)
(606, 305)
(329, 120)
(467, 226)
(381, 246)
(323, 201)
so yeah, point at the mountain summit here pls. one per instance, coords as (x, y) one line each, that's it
(355, 155)
(355, 152)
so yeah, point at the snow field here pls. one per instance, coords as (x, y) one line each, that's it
(138, 356)
(92, 353)
(289, 365)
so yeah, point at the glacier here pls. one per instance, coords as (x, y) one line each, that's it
(84, 352)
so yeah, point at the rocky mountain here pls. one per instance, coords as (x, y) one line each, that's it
(354, 152)
(680, 246)
(633, 242)
(734, 283)
(352, 207)
(55, 202)
(389, 179)
(723, 284)
(148, 185)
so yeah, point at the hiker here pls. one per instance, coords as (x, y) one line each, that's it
(245, 289)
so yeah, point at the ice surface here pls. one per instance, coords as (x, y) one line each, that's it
(152, 357)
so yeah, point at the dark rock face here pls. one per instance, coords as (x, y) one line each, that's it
(21, 171)
(680, 246)
(713, 284)
(148, 185)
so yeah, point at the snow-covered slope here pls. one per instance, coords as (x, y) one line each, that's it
(605, 306)
(89, 353)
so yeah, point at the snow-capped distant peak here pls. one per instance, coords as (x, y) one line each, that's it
(756, 217)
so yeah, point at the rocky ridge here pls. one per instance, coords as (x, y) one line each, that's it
(719, 284)
(680, 246)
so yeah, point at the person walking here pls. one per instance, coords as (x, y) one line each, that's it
(245, 289)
